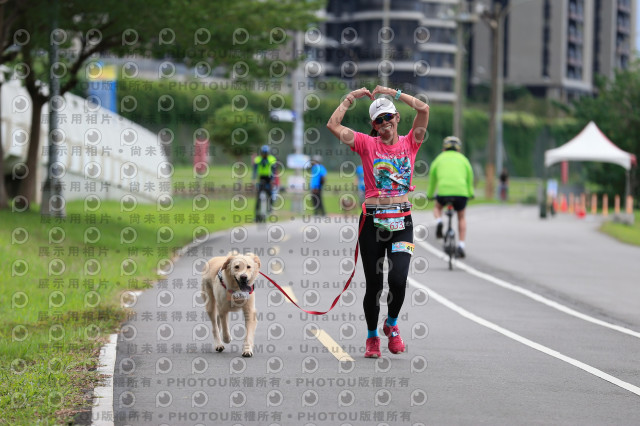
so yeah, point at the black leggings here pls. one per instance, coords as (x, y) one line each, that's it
(375, 243)
(264, 185)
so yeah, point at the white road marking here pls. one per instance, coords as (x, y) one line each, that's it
(332, 345)
(528, 293)
(102, 411)
(323, 337)
(537, 346)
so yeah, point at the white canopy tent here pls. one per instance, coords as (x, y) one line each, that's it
(591, 145)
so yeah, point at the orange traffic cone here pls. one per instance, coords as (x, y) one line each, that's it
(572, 203)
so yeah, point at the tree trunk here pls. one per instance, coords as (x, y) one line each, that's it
(28, 184)
(4, 198)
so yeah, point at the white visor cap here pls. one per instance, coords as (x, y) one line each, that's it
(381, 106)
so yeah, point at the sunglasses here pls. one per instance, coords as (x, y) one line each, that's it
(384, 117)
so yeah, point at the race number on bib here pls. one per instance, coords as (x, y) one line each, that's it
(390, 223)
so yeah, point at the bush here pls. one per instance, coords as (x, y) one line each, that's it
(525, 136)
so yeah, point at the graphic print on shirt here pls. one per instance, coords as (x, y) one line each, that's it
(392, 175)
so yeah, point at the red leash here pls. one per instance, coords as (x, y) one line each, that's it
(346, 286)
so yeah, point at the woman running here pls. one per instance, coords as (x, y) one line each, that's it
(387, 160)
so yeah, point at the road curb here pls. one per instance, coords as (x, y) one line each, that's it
(193, 244)
(102, 411)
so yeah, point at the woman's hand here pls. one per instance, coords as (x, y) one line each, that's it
(362, 92)
(384, 91)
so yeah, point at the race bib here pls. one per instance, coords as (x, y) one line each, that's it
(390, 223)
(402, 247)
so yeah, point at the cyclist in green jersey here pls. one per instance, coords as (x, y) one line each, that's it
(264, 168)
(452, 177)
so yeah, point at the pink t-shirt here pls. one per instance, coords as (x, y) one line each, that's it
(388, 169)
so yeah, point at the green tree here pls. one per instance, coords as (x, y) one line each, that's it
(235, 34)
(8, 17)
(614, 110)
(238, 133)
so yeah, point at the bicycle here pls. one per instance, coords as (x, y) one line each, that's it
(263, 202)
(450, 247)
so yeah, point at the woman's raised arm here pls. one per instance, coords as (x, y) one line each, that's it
(335, 126)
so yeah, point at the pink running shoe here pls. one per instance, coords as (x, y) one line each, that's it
(373, 348)
(396, 345)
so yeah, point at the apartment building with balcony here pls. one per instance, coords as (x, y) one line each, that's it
(557, 47)
(615, 34)
(421, 44)
(553, 47)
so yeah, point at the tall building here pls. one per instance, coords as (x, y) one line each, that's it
(615, 35)
(557, 47)
(421, 43)
(553, 47)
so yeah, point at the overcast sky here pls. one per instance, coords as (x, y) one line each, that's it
(637, 28)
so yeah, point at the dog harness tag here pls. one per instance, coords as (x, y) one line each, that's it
(240, 295)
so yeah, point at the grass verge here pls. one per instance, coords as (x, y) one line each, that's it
(222, 182)
(625, 233)
(63, 280)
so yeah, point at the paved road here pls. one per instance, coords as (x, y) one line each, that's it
(479, 351)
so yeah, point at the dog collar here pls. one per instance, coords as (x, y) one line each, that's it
(225, 287)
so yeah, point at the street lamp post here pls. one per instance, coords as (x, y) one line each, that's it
(500, 92)
(298, 84)
(495, 20)
(385, 43)
(462, 17)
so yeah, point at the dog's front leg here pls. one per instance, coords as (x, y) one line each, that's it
(224, 325)
(214, 314)
(213, 311)
(251, 322)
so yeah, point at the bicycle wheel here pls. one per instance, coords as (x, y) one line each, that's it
(261, 207)
(450, 247)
